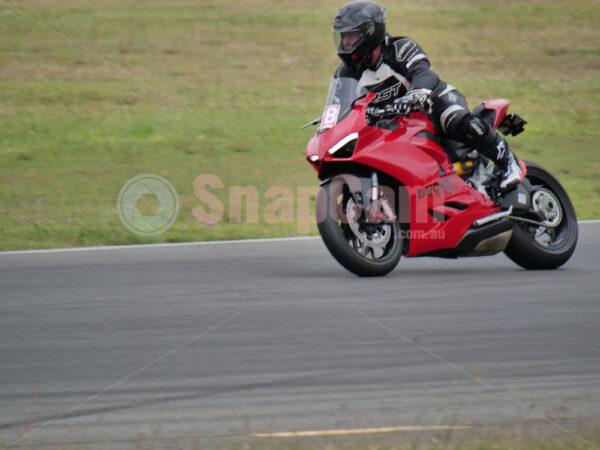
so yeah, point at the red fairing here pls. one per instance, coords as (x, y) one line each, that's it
(441, 206)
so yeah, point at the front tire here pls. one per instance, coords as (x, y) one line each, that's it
(365, 249)
(545, 247)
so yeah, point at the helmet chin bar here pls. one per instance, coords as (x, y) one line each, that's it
(367, 60)
(358, 56)
(357, 59)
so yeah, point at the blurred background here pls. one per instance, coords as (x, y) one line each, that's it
(94, 93)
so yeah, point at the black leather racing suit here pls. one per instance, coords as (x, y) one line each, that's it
(403, 66)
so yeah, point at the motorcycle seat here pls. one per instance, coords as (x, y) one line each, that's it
(457, 151)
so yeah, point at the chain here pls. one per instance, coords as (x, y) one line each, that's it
(532, 222)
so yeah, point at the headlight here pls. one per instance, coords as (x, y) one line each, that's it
(348, 144)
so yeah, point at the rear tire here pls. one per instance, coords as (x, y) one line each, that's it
(365, 249)
(536, 247)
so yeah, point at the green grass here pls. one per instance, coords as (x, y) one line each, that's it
(185, 88)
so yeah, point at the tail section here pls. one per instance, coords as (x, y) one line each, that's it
(492, 111)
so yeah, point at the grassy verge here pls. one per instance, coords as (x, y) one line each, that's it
(513, 437)
(93, 93)
(508, 437)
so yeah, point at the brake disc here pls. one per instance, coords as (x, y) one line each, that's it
(377, 237)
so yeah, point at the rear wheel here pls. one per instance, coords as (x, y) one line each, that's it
(548, 245)
(364, 246)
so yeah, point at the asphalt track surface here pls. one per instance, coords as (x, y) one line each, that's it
(214, 342)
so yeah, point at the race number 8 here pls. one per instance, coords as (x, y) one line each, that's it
(330, 116)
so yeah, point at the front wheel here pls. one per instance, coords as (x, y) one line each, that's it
(548, 246)
(364, 246)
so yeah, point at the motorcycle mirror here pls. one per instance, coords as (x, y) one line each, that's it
(314, 122)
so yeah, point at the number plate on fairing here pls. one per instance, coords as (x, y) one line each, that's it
(330, 116)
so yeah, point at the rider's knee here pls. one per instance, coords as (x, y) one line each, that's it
(475, 130)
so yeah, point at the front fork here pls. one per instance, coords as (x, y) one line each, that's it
(379, 209)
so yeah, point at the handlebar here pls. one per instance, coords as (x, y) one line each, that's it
(375, 112)
(389, 111)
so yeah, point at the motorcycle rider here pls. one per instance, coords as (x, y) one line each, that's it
(398, 70)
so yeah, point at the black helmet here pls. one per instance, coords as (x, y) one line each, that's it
(362, 23)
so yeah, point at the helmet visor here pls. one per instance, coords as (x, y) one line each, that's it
(347, 41)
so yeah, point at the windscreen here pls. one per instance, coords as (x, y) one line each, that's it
(342, 93)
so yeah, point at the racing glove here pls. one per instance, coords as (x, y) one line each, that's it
(413, 100)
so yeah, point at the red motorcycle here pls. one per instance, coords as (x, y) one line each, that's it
(396, 187)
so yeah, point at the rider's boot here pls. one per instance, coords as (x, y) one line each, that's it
(489, 143)
(506, 161)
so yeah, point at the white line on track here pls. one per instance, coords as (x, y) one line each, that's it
(361, 431)
(184, 244)
(164, 245)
